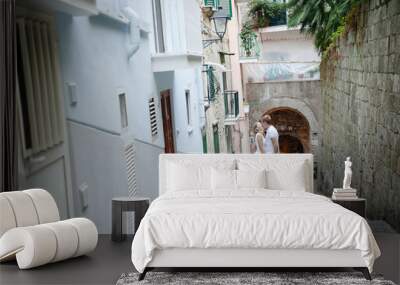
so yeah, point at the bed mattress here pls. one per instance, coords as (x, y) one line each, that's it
(250, 219)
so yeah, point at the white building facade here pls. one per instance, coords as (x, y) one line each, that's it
(130, 88)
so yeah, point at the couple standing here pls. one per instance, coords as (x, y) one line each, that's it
(267, 137)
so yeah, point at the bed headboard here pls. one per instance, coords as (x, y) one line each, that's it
(165, 159)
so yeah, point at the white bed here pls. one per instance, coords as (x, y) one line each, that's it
(224, 225)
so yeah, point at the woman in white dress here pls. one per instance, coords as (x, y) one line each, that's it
(259, 138)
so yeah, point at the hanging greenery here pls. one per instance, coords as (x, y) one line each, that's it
(248, 38)
(262, 11)
(324, 19)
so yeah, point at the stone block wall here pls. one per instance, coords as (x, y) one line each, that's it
(360, 85)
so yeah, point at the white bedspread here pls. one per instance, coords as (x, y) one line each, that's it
(250, 219)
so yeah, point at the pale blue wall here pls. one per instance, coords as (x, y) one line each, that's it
(93, 55)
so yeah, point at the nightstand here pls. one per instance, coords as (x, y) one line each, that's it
(357, 205)
(126, 204)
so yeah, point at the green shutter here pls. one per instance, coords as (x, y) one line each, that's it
(225, 8)
(212, 3)
(236, 104)
(226, 104)
(216, 139)
(204, 143)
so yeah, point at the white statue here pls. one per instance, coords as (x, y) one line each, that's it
(347, 174)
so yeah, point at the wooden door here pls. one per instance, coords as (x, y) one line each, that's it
(167, 121)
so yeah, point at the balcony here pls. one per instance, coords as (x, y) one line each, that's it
(249, 51)
(231, 101)
(178, 42)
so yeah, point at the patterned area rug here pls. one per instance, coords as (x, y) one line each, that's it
(230, 278)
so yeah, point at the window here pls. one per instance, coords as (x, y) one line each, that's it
(122, 110)
(216, 138)
(38, 86)
(204, 142)
(281, 17)
(214, 4)
(188, 111)
(158, 26)
(153, 117)
(224, 8)
(224, 81)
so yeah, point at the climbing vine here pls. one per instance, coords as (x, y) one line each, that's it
(326, 20)
(248, 38)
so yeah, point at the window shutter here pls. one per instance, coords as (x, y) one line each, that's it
(38, 86)
(236, 104)
(153, 117)
(225, 8)
(214, 4)
(204, 143)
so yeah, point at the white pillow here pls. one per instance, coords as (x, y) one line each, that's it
(193, 175)
(282, 173)
(183, 178)
(251, 178)
(223, 179)
(292, 178)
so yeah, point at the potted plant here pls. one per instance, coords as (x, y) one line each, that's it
(262, 11)
(248, 38)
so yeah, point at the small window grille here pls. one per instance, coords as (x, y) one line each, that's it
(153, 117)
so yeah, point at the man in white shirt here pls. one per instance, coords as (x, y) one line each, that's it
(271, 141)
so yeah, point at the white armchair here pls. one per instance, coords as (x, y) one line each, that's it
(32, 233)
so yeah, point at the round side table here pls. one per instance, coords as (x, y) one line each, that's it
(139, 205)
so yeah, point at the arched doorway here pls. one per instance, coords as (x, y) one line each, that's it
(293, 128)
(290, 144)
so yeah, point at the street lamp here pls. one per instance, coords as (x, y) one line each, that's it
(220, 23)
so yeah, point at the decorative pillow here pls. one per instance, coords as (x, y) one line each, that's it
(283, 173)
(251, 178)
(194, 175)
(292, 178)
(183, 178)
(223, 179)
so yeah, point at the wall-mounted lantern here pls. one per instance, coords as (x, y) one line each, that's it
(220, 23)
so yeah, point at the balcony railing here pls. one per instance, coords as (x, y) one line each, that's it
(252, 52)
(231, 100)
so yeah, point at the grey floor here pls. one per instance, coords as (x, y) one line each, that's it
(110, 260)
(103, 266)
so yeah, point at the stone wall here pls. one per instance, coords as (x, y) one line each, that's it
(301, 96)
(360, 84)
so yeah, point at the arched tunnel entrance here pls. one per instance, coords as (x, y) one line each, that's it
(293, 128)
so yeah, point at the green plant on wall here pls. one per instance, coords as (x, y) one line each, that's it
(262, 11)
(324, 19)
(248, 38)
